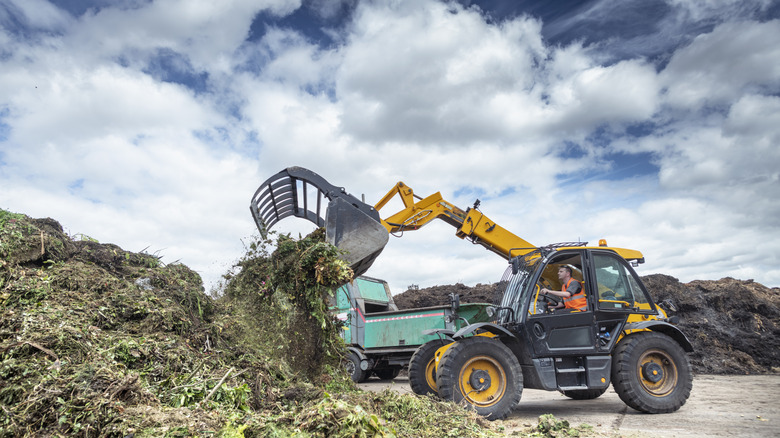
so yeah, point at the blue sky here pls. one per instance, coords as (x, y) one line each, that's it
(653, 124)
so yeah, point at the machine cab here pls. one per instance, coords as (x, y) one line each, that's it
(612, 289)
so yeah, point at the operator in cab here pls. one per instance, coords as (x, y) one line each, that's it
(571, 293)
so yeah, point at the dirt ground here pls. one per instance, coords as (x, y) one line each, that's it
(719, 406)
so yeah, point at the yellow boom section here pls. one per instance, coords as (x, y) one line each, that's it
(471, 224)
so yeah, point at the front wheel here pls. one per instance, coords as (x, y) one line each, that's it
(651, 373)
(482, 372)
(422, 368)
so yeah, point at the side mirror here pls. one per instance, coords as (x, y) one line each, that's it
(515, 265)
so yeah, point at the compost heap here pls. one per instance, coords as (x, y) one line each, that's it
(99, 341)
(734, 325)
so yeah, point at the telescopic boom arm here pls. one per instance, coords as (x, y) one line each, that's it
(358, 229)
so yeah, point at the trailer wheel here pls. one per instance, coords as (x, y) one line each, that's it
(584, 394)
(483, 373)
(388, 373)
(352, 365)
(651, 373)
(422, 368)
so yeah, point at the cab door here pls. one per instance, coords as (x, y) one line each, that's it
(619, 294)
(560, 332)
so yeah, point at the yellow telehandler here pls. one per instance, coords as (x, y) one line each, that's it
(619, 336)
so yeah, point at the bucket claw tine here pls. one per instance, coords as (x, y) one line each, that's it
(350, 224)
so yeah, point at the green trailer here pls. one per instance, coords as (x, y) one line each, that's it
(382, 339)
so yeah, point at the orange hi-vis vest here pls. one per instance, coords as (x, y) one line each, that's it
(576, 301)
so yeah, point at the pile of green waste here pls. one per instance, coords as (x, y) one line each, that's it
(96, 341)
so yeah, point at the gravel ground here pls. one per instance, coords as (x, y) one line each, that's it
(719, 406)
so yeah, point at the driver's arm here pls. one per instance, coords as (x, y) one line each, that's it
(572, 290)
(557, 293)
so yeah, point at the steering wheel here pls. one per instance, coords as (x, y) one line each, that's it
(548, 302)
(550, 299)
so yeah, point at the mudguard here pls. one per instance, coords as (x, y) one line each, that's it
(486, 326)
(358, 352)
(665, 328)
(441, 333)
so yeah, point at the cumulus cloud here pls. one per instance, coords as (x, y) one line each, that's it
(34, 15)
(431, 72)
(717, 10)
(206, 32)
(718, 67)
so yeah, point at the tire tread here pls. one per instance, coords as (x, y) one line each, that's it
(447, 373)
(625, 379)
(417, 378)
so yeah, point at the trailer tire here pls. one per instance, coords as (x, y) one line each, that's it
(482, 373)
(352, 366)
(422, 368)
(584, 394)
(388, 373)
(651, 373)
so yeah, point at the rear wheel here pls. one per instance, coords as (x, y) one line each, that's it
(651, 373)
(584, 394)
(352, 365)
(482, 372)
(388, 373)
(422, 368)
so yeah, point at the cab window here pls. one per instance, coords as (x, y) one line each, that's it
(548, 278)
(617, 286)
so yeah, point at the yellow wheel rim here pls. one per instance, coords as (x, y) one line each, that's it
(482, 381)
(657, 373)
(430, 373)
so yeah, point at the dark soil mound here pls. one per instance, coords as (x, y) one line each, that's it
(440, 295)
(733, 325)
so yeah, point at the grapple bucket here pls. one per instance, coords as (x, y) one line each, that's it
(350, 224)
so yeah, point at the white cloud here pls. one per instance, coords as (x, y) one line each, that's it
(206, 32)
(429, 72)
(110, 99)
(330, 8)
(717, 67)
(36, 14)
(701, 10)
(755, 118)
(693, 239)
(589, 96)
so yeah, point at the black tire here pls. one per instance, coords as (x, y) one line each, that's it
(651, 373)
(388, 373)
(352, 365)
(422, 368)
(584, 394)
(477, 361)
